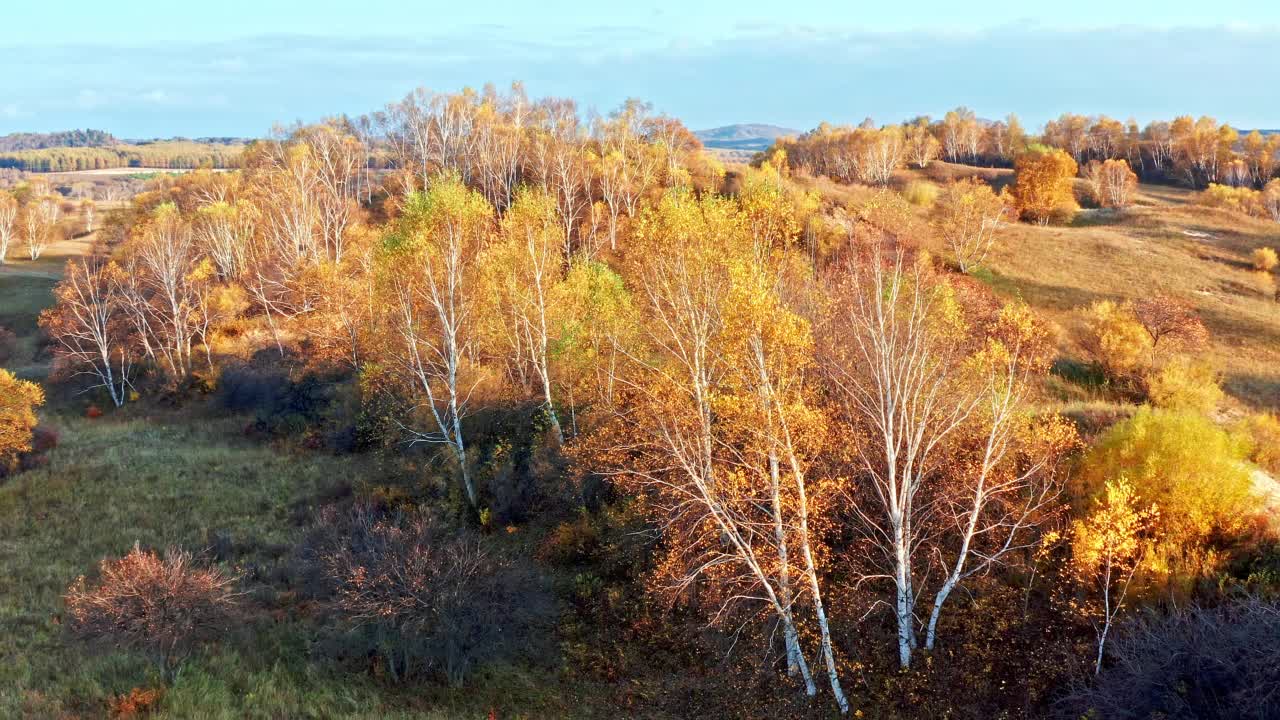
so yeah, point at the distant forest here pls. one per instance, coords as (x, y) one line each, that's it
(165, 154)
(64, 139)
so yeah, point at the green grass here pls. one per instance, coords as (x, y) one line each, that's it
(112, 483)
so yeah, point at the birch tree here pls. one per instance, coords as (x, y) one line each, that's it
(524, 267)
(717, 429)
(947, 466)
(89, 325)
(8, 223)
(427, 268)
(1109, 548)
(40, 222)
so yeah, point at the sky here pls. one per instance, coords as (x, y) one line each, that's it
(237, 67)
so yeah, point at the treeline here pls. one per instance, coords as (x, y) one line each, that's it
(833, 439)
(66, 138)
(1194, 152)
(162, 154)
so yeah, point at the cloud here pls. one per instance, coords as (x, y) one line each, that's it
(792, 75)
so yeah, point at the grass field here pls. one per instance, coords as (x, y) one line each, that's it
(1166, 243)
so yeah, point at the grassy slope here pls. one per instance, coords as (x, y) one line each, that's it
(1148, 250)
(1168, 244)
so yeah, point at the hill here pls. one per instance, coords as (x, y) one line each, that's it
(65, 138)
(745, 136)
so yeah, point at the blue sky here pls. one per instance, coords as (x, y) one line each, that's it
(234, 67)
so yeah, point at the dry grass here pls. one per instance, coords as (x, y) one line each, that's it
(1164, 245)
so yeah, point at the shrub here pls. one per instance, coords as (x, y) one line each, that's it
(1192, 470)
(162, 606)
(1196, 662)
(1043, 185)
(573, 541)
(427, 597)
(1116, 340)
(18, 402)
(1261, 432)
(1184, 384)
(136, 702)
(1264, 259)
(1236, 199)
(920, 193)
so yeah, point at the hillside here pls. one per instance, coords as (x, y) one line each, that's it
(66, 138)
(745, 136)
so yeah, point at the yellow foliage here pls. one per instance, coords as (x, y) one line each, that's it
(1112, 533)
(1043, 185)
(1261, 434)
(1185, 384)
(1185, 464)
(1264, 259)
(1237, 199)
(18, 402)
(1116, 339)
(920, 193)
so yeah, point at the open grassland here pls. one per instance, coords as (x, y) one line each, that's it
(1166, 243)
(195, 484)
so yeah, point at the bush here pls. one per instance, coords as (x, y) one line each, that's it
(281, 407)
(426, 597)
(1116, 340)
(18, 402)
(1196, 662)
(164, 607)
(1236, 199)
(136, 702)
(1184, 384)
(1261, 433)
(1264, 259)
(1192, 470)
(572, 542)
(920, 193)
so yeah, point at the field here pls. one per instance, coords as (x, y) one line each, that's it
(1165, 243)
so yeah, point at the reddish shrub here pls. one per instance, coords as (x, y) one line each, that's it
(427, 597)
(136, 702)
(162, 606)
(43, 439)
(93, 412)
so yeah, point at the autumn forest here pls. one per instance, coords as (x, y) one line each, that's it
(487, 405)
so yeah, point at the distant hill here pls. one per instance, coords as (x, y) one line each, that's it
(66, 138)
(752, 137)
